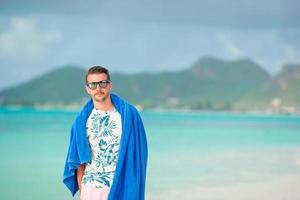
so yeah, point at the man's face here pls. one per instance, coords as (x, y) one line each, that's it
(98, 94)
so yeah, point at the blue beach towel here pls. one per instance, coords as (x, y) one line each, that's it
(130, 175)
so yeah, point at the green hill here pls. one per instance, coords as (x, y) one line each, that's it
(288, 85)
(209, 84)
(283, 87)
(60, 86)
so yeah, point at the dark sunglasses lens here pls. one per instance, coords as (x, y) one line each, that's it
(103, 84)
(93, 85)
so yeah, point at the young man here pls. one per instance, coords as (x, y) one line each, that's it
(107, 156)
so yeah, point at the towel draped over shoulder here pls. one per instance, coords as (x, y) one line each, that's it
(130, 175)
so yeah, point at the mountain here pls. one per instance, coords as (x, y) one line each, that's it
(208, 84)
(286, 85)
(283, 88)
(60, 86)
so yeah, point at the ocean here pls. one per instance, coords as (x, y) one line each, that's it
(192, 155)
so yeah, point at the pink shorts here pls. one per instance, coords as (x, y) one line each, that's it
(89, 192)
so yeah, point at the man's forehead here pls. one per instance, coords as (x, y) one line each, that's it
(100, 76)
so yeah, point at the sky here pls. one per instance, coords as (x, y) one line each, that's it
(132, 36)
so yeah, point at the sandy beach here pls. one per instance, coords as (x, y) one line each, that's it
(265, 174)
(281, 188)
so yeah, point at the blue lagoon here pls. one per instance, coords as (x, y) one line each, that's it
(191, 155)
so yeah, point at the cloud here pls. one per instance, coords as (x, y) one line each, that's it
(132, 36)
(291, 54)
(215, 13)
(23, 39)
(230, 47)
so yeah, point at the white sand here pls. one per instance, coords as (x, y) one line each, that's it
(263, 174)
(281, 188)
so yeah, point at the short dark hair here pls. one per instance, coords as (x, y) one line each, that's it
(97, 70)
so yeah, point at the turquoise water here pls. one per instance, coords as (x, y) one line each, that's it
(185, 149)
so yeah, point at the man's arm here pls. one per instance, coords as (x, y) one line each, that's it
(80, 172)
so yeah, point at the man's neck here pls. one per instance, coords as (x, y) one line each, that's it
(104, 105)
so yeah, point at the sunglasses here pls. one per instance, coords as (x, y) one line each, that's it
(102, 84)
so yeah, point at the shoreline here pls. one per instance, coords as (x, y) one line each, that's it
(77, 108)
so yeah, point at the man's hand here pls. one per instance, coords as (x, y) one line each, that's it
(80, 172)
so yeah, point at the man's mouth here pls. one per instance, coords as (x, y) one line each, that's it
(98, 94)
